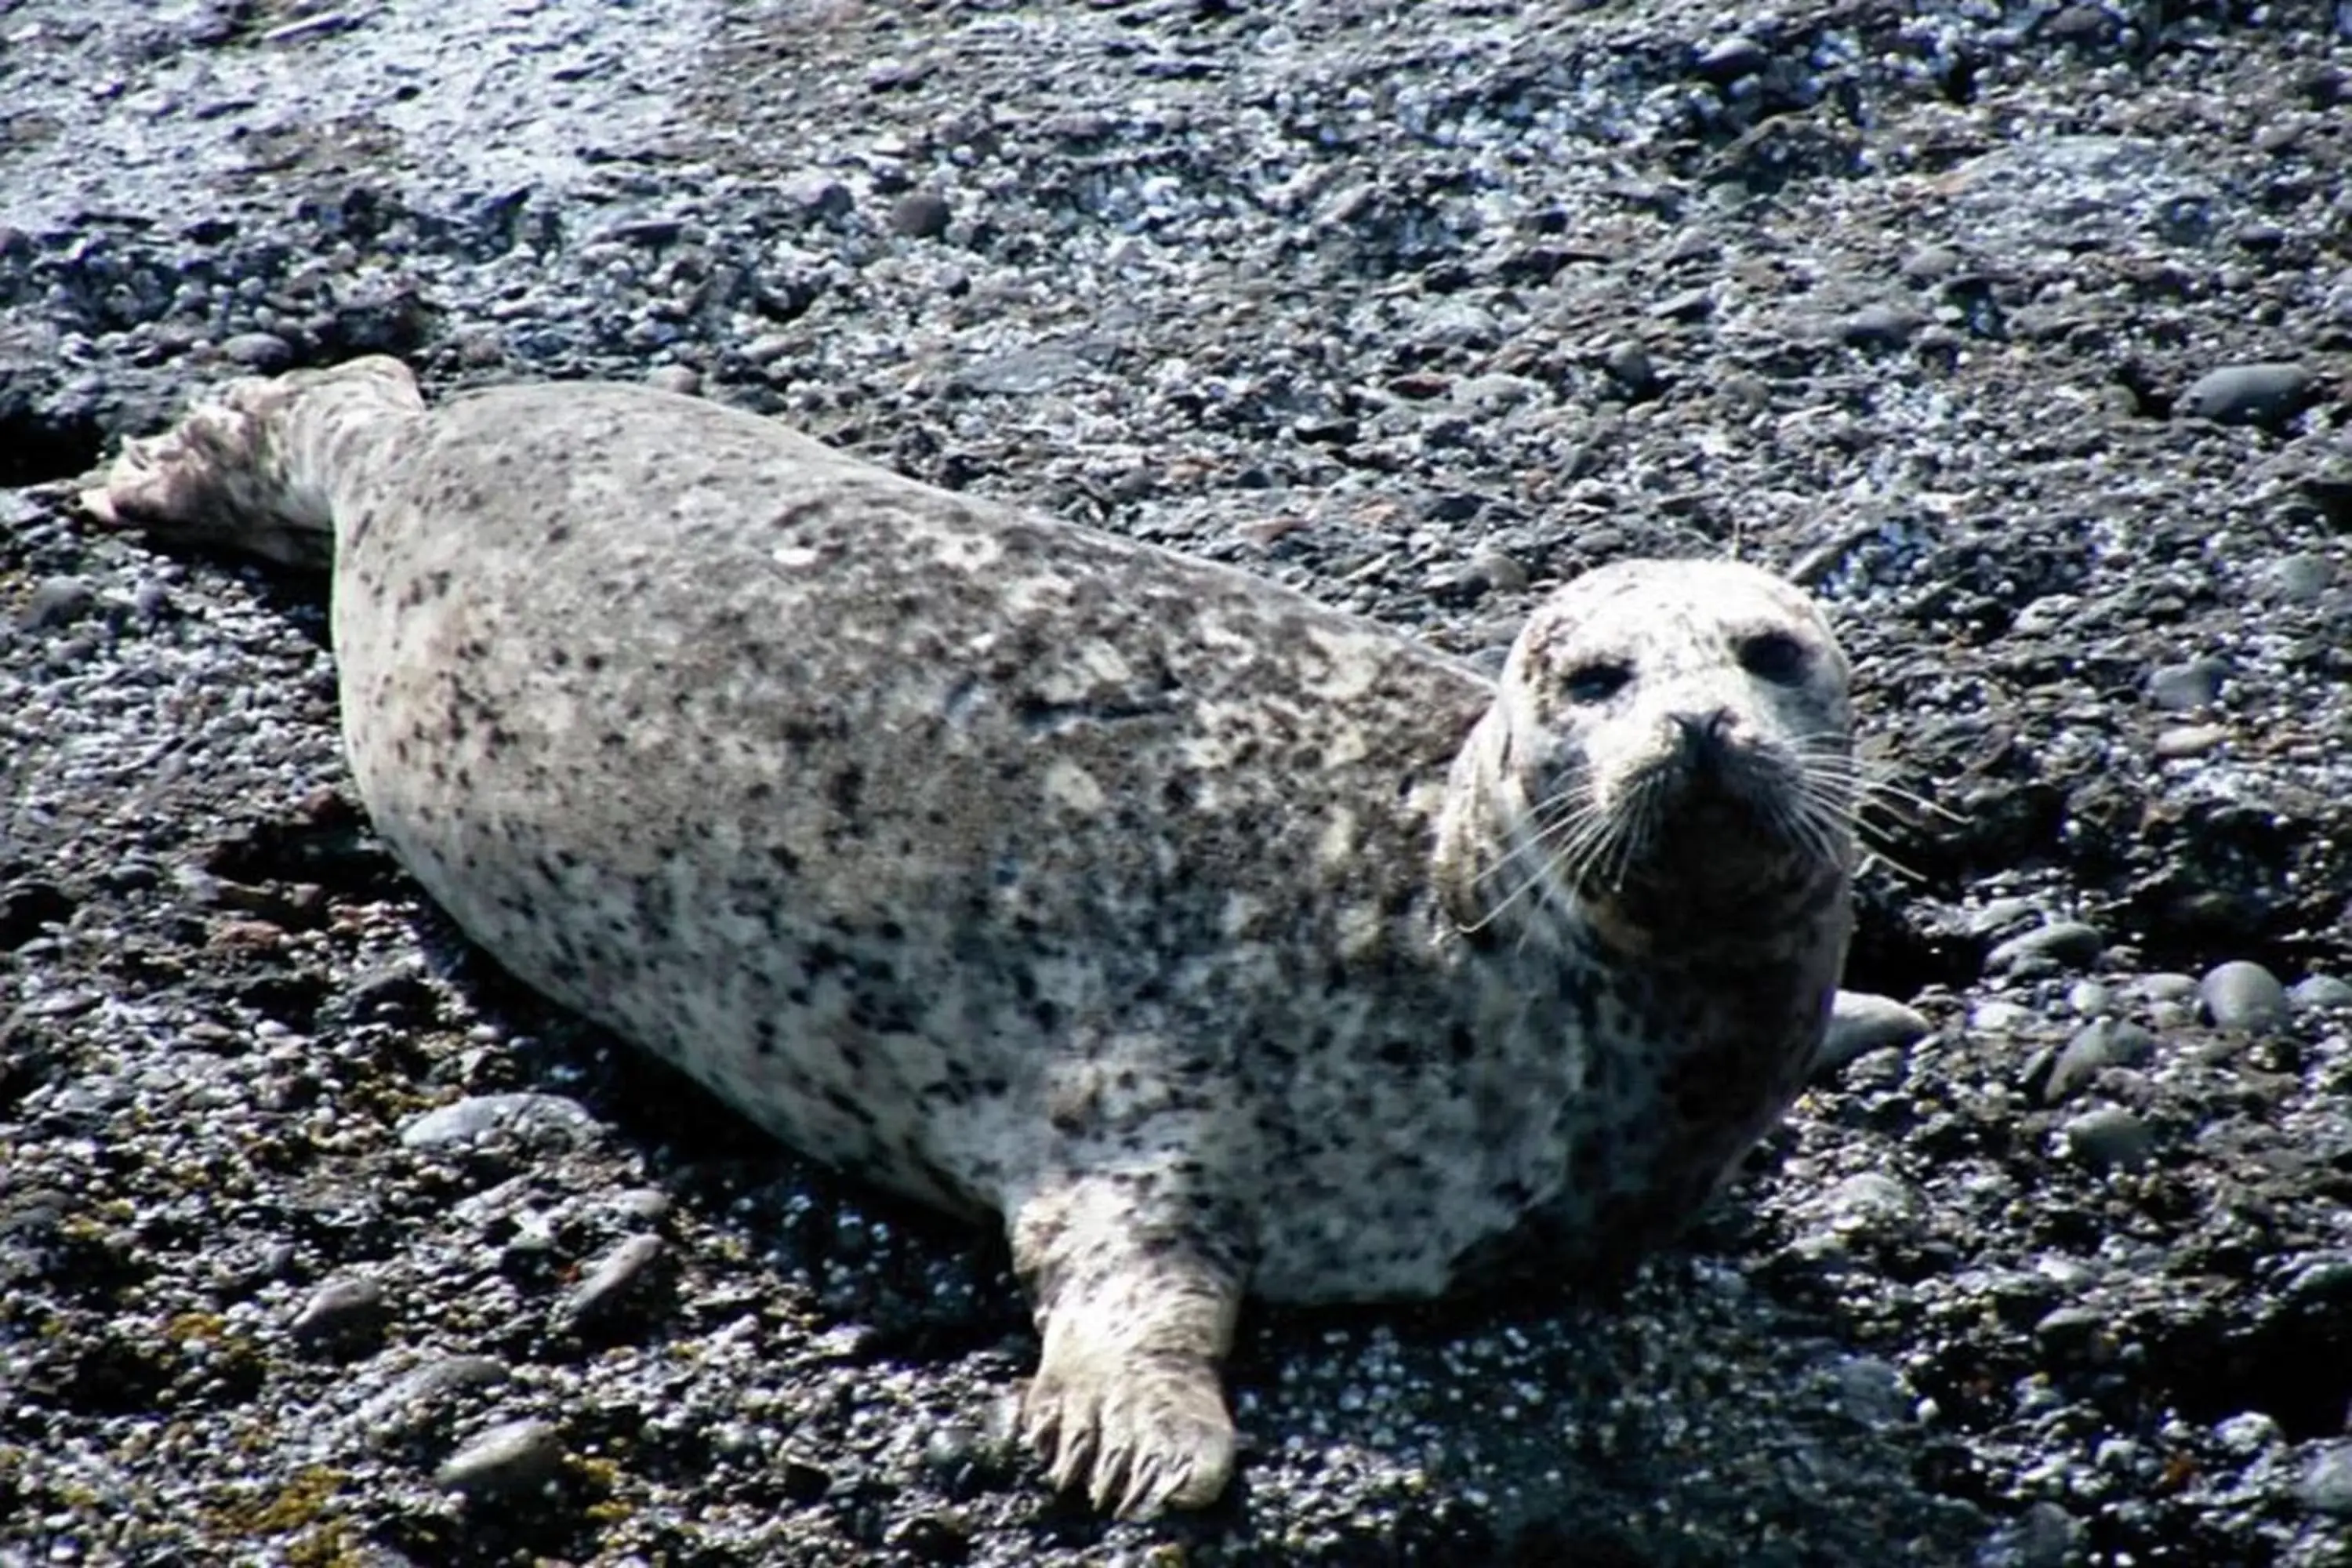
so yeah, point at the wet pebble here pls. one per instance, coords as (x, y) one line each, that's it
(941, 1536)
(1880, 326)
(2089, 998)
(511, 1458)
(478, 1116)
(2110, 1138)
(1999, 1017)
(2103, 1043)
(2165, 986)
(920, 214)
(2319, 993)
(345, 1313)
(817, 195)
(2061, 944)
(681, 379)
(2044, 1536)
(624, 1276)
(2191, 740)
(2065, 1332)
(2299, 579)
(57, 601)
(263, 352)
(2326, 1483)
(1860, 1023)
(2242, 995)
(2268, 394)
(2187, 686)
(1730, 58)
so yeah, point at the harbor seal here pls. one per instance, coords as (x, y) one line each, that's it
(1210, 939)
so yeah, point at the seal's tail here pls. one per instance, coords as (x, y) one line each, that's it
(257, 466)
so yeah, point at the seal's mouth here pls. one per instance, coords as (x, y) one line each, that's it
(1709, 823)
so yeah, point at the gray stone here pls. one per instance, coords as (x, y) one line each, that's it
(2242, 995)
(264, 352)
(2103, 1043)
(2325, 1485)
(2267, 395)
(511, 1458)
(57, 601)
(2319, 993)
(1860, 1023)
(920, 214)
(2185, 688)
(2110, 1138)
(2061, 944)
(478, 1116)
(343, 1312)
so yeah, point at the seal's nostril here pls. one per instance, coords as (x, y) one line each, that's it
(1705, 735)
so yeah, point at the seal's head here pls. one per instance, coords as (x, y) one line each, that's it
(1670, 756)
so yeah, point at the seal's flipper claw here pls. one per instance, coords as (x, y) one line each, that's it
(1135, 1313)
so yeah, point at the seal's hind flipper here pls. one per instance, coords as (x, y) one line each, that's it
(255, 466)
(1136, 1306)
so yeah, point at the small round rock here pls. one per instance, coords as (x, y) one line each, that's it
(626, 1273)
(2268, 395)
(2240, 995)
(2069, 944)
(2110, 1138)
(2320, 993)
(478, 1116)
(342, 1311)
(920, 214)
(2327, 1484)
(512, 1456)
(1861, 1023)
(57, 601)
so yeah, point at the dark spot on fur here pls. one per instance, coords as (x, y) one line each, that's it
(845, 788)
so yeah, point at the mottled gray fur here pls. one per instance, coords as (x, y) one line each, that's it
(1215, 940)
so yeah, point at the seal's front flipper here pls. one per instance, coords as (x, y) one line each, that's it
(256, 467)
(1135, 1292)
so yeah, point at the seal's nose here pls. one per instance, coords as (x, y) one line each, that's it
(1705, 737)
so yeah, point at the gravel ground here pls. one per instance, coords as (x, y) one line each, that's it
(2022, 331)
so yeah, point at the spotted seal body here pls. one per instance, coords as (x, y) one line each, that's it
(1215, 940)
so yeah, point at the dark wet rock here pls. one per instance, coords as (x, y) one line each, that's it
(1630, 366)
(1730, 58)
(2268, 395)
(817, 195)
(29, 906)
(1879, 327)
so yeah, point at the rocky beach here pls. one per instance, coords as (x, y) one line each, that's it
(2020, 332)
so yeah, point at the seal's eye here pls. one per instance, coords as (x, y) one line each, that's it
(1775, 657)
(1596, 682)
